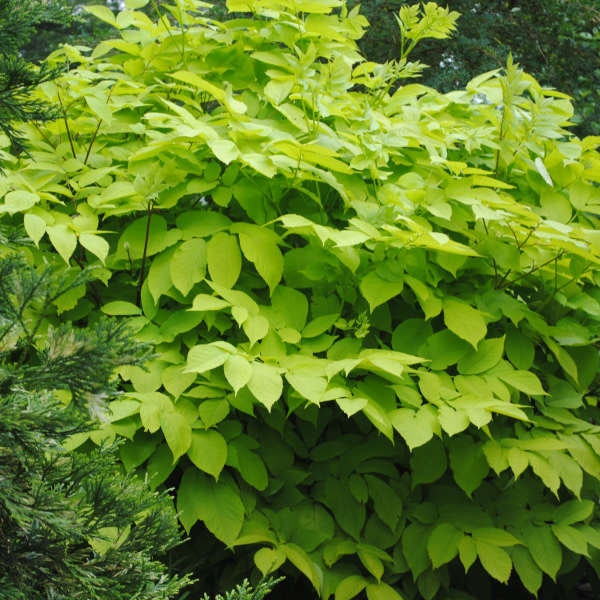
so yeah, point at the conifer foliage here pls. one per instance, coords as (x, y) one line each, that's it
(71, 524)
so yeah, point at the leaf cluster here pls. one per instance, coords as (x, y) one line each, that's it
(374, 305)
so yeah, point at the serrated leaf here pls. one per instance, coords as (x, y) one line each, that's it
(208, 451)
(465, 321)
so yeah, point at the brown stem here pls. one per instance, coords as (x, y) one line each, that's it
(64, 113)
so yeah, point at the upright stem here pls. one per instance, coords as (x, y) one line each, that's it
(144, 254)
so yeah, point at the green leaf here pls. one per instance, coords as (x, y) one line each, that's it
(413, 548)
(63, 239)
(371, 562)
(519, 349)
(428, 463)
(18, 201)
(465, 321)
(417, 427)
(260, 248)
(177, 432)
(467, 552)
(268, 560)
(121, 307)
(319, 325)
(206, 302)
(453, 421)
(573, 511)
(302, 561)
(237, 372)
(248, 463)
(487, 356)
(224, 259)
(313, 525)
(205, 358)
(524, 381)
(256, 327)
(217, 504)
(265, 383)
(377, 291)
(572, 538)
(188, 264)
(442, 545)
(468, 463)
(208, 451)
(35, 227)
(103, 13)
(494, 560)
(528, 572)
(350, 587)
(97, 245)
(382, 591)
(495, 536)
(544, 548)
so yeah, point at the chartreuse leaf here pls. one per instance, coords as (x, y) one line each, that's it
(417, 427)
(206, 357)
(544, 548)
(35, 227)
(524, 381)
(208, 451)
(465, 321)
(302, 561)
(260, 247)
(467, 552)
(494, 560)
(529, 573)
(572, 538)
(382, 591)
(237, 372)
(224, 259)
(265, 383)
(350, 587)
(376, 290)
(177, 431)
(487, 355)
(268, 560)
(442, 545)
(216, 503)
(188, 264)
(97, 245)
(63, 239)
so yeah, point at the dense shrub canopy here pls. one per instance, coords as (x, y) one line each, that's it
(375, 312)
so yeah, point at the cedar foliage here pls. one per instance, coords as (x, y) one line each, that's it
(72, 525)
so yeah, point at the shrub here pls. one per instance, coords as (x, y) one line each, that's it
(375, 314)
(71, 525)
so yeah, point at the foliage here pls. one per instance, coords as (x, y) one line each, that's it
(245, 591)
(556, 41)
(71, 525)
(375, 312)
(18, 77)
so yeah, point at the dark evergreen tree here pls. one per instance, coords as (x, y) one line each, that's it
(72, 524)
